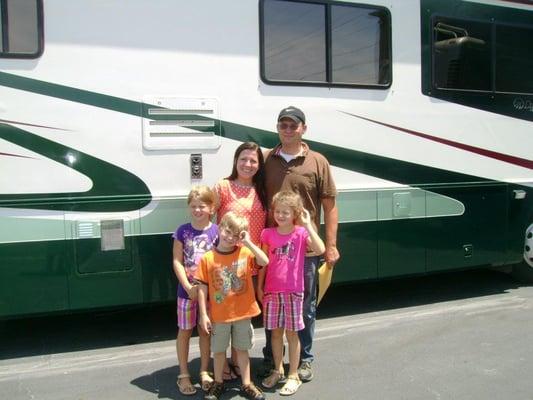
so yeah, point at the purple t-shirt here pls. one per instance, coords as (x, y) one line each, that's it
(195, 244)
(286, 254)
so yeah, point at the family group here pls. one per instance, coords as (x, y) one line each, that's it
(264, 248)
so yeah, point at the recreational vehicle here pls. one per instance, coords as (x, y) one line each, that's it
(111, 110)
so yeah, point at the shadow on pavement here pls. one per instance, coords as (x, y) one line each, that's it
(113, 328)
(412, 291)
(163, 382)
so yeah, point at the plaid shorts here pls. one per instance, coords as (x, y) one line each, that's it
(187, 313)
(283, 310)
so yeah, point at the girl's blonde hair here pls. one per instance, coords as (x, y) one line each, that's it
(289, 199)
(235, 223)
(202, 193)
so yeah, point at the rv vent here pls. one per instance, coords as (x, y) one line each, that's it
(189, 124)
(161, 111)
(85, 230)
(173, 123)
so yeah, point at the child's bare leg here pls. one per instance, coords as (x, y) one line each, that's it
(205, 350)
(277, 348)
(219, 359)
(243, 361)
(182, 348)
(294, 351)
(234, 359)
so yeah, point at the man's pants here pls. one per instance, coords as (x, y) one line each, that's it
(309, 313)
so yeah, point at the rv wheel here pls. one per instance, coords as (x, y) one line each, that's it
(524, 270)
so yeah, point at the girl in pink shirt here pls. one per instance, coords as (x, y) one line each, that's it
(281, 283)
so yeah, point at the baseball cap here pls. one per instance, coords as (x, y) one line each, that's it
(293, 113)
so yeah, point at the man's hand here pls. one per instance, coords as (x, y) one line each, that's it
(331, 255)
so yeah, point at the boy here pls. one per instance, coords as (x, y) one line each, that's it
(225, 273)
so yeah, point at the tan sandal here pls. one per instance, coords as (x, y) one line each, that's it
(185, 388)
(206, 380)
(273, 379)
(291, 386)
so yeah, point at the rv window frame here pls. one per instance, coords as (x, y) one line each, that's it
(492, 24)
(5, 33)
(328, 47)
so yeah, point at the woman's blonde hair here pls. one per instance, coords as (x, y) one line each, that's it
(202, 193)
(235, 223)
(289, 199)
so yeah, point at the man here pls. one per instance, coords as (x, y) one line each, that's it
(293, 166)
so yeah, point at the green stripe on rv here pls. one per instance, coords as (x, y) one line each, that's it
(369, 164)
(163, 216)
(110, 183)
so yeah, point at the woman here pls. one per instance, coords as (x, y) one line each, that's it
(243, 192)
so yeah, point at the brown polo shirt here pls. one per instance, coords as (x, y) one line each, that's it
(308, 174)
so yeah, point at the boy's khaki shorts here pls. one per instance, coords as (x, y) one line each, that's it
(240, 332)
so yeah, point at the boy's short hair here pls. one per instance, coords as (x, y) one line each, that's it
(289, 199)
(202, 193)
(235, 223)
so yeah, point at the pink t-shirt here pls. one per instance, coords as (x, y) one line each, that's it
(286, 254)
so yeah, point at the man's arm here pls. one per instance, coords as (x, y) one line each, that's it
(331, 221)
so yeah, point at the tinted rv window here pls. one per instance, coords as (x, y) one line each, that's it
(1, 28)
(514, 59)
(325, 44)
(461, 51)
(21, 24)
(478, 54)
(360, 48)
(482, 56)
(294, 41)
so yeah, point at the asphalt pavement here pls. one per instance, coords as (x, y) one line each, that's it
(462, 335)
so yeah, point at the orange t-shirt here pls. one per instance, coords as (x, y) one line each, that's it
(230, 288)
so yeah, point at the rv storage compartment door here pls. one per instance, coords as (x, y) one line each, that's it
(104, 251)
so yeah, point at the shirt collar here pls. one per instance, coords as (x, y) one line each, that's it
(305, 150)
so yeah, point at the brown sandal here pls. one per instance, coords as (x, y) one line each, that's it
(186, 389)
(273, 379)
(229, 375)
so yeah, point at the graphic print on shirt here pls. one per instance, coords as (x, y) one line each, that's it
(286, 252)
(194, 248)
(229, 279)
